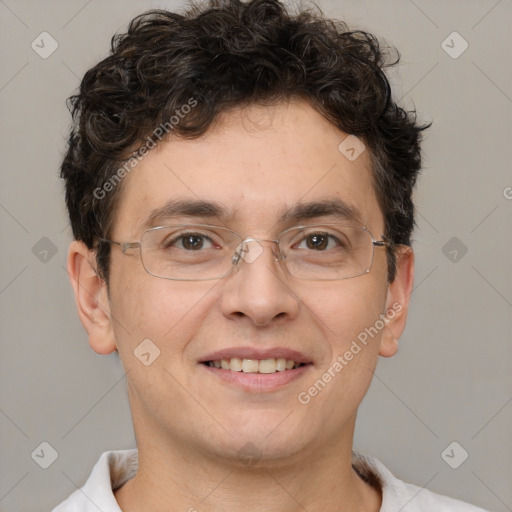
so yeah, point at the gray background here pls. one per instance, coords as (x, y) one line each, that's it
(451, 380)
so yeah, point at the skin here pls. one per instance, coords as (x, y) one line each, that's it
(190, 425)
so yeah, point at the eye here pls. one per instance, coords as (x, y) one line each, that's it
(319, 242)
(189, 242)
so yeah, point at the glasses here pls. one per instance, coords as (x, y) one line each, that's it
(201, 252)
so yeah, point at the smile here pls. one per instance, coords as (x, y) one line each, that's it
(271, 365)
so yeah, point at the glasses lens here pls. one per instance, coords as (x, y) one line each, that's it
(327, 252)
(188, 252)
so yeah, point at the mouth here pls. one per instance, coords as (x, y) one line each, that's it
(257, 370)
(266, 366)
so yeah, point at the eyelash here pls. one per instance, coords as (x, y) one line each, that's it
(170, 243)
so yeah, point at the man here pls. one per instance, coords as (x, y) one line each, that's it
(239, 186)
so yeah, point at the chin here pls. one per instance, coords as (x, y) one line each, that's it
(260, 442)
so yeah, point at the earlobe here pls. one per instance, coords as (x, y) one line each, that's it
(397, 304)
(388, 343)
(91, 298)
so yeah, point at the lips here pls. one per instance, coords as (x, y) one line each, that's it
(249, 360)
(256, 370)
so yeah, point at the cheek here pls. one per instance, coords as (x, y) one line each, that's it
(166, 312)
(350, 316)
(348, 307)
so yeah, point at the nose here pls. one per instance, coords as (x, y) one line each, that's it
(259, 290)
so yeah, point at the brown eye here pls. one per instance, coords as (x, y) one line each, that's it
(189, 242)
(317, 242)
(192, 242)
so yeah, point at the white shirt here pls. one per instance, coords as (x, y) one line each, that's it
(116, 467)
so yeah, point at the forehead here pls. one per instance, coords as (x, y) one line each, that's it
(256, 168)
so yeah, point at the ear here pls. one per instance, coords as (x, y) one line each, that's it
(91, 298)
(397, 302)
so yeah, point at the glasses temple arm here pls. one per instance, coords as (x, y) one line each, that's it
(124, 245)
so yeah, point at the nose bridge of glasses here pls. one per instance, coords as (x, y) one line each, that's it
(250, 249)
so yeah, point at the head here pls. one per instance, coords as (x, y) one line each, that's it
(243, 105)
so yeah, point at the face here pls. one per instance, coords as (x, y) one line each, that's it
(255, 163)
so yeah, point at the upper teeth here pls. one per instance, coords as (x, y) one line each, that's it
(236, 364)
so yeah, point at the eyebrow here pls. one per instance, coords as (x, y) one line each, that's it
(210, 209)
(185, 208)
(327, 207)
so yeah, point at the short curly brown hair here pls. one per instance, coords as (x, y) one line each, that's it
(226, 54)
